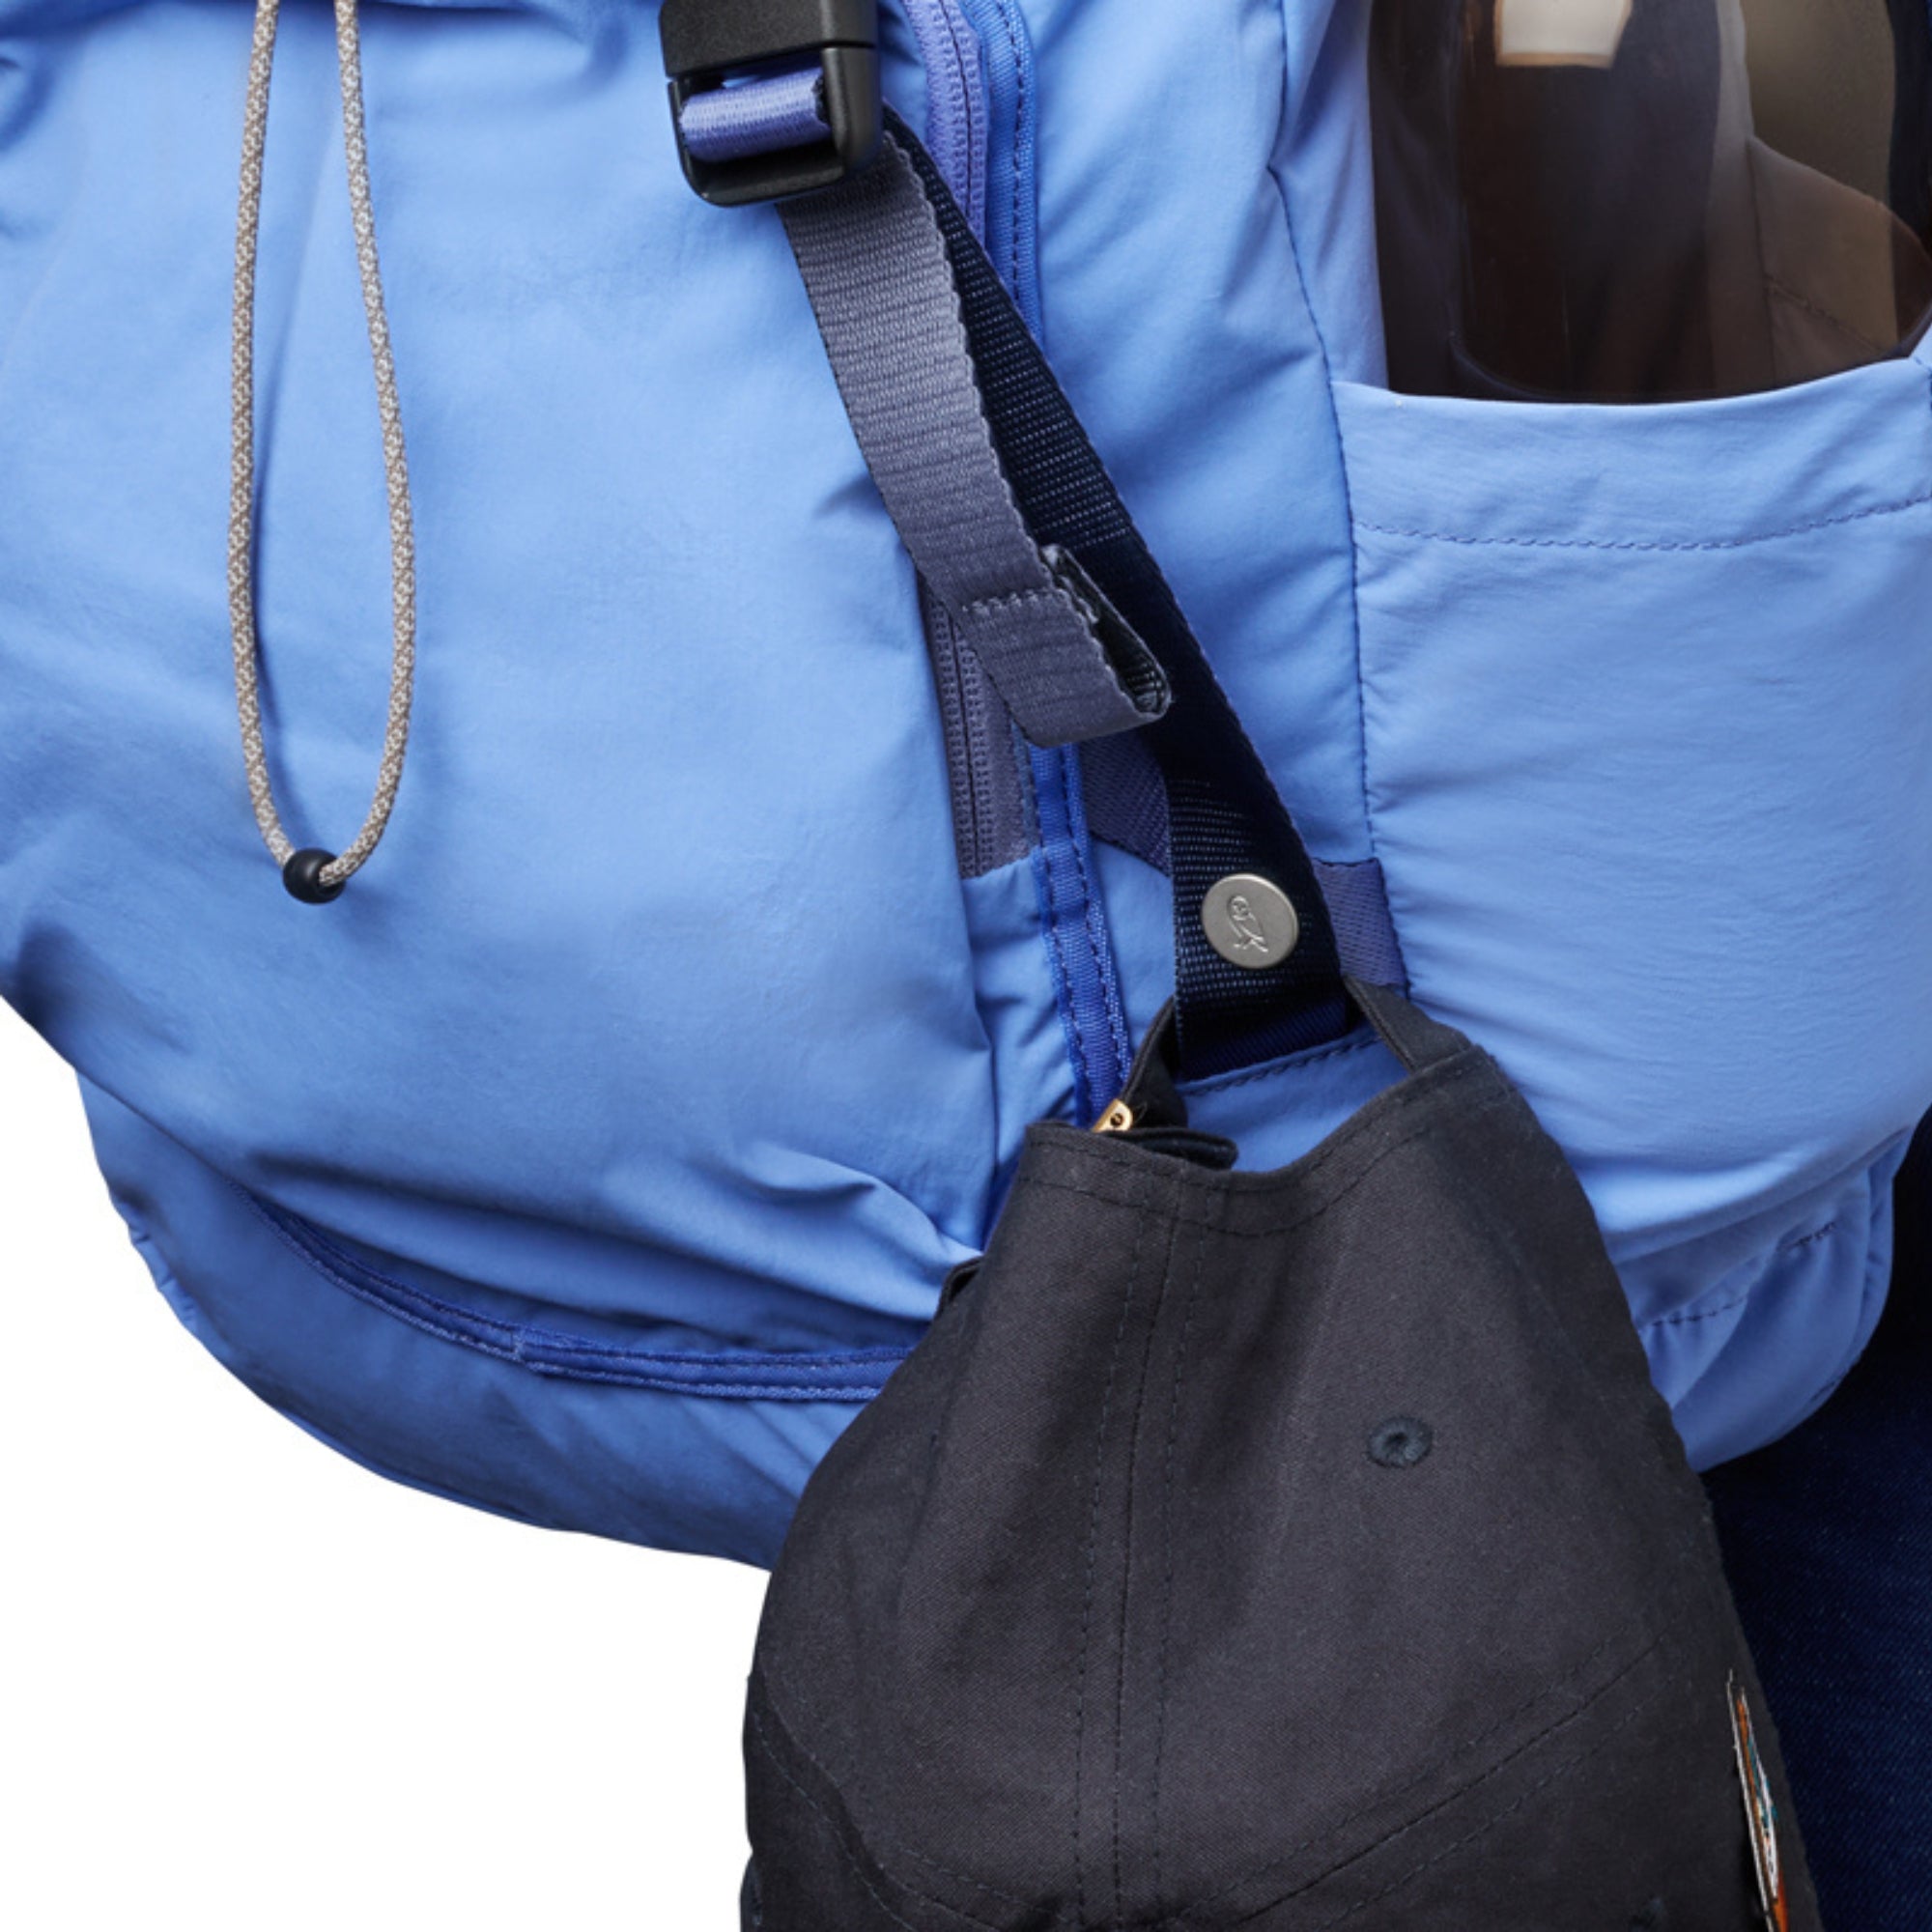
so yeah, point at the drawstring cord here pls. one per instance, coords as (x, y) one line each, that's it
(311, 874)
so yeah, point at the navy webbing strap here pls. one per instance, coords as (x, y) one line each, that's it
(877, 269)
(992, 481)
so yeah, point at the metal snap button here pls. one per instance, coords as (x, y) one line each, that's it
(1250, 921)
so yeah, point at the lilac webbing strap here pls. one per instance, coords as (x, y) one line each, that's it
(756, 117)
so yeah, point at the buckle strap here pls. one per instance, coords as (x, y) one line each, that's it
(773, 98)
(758, 117)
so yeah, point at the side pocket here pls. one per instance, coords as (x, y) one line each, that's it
(1648, 711)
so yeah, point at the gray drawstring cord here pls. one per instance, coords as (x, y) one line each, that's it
(314, 876)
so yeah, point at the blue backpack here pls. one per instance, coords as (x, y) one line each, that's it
(746, 891)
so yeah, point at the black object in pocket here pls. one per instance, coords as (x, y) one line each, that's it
(1287, 1551)
(1629, 201)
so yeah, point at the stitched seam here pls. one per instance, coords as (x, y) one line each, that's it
(1061, 1916)
(1903, 504)
(1134, 1430)
(846, 1358)
(1220, 1083)
(1167, 1578)
(525, 1348)
(1343, 471)
(1272, 1232)
(1445, 1074)
(1796, 1245)
(1684, 1320)
(1673, 1683)
(1021, 107)
(1087, 1592)
(966, 50)
(804, 1359)
(1791, 1247)
(846, 1851)
(944, 20)
(1680, 1574)
(1044, 873)
(1837, 322)
(1009, 599)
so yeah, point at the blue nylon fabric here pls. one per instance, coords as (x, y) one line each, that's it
(651, 1004)
(1079, 942)
(681, 1471)
(1086, 986)
(1176, 323)
(662, 1017)
(1683, 897)
(1653, 822)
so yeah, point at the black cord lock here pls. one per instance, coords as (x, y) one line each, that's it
(302, 876)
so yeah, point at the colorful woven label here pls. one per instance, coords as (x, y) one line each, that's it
(1761, 1813)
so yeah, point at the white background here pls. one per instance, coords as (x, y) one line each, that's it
(245, 1685)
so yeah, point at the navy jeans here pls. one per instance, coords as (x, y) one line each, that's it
(1827, 1536)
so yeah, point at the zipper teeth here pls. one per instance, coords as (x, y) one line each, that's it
(949, 687)
(975, 776)
(950, 50)
(980, 711)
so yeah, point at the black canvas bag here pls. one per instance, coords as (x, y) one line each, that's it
(1294, 1551)
(1289, 1550)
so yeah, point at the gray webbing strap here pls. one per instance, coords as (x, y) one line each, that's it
(1066, 665)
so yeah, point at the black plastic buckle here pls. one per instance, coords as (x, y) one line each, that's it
(707, 42)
